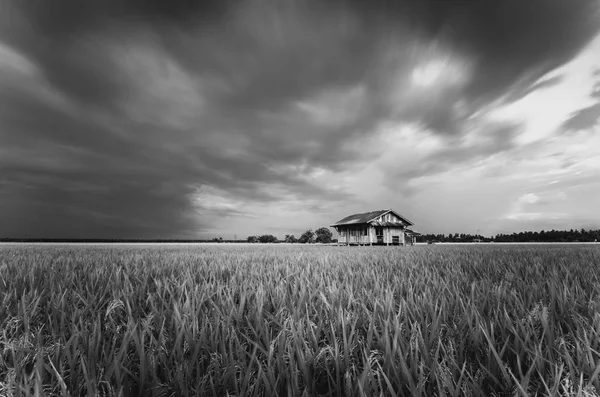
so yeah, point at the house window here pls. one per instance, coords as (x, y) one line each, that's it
(365, 232)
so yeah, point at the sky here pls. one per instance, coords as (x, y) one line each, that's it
(183, 119)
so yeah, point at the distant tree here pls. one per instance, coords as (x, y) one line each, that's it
(252, 239)
(324, 235)
(307, 237)
(267, 238)
(290, 238)
(217, 240)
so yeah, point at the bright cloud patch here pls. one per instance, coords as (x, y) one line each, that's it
(439, 73)
(545, 111)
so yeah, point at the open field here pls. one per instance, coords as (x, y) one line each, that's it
(170, 320)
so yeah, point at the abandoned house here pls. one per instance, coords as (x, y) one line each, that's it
(384, 227)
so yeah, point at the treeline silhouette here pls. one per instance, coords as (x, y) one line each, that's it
(551, 236)
(321, 235)
(452, 238)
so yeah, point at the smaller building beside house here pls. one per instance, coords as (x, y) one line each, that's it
(383, 227)
(411, 236)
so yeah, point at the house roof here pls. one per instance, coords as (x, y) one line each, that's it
(411, 231)
(366, 217)
(388, 224)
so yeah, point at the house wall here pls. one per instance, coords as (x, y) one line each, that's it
(390, 232)
(356, 235)
(388, 235)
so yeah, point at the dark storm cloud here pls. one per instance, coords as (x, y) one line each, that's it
(583, 119)
(318, 43)
(94, 169)
(67, 174)
(54, 35)
(589, 117)
(68, 177)
(512, 41)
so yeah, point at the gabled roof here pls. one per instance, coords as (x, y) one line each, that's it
(366, 217)
(360, 218)
(388, 224)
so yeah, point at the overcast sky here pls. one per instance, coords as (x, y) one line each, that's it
(183, 119)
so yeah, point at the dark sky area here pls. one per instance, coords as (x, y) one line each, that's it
(184, 119)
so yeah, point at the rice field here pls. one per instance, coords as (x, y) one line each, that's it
(198, 320)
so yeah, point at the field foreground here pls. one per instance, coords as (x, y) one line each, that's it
(186, 320)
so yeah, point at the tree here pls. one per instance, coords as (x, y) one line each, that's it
(252, 239)
(267, 238)
(307, 237)
(290, 238)
(323, 235)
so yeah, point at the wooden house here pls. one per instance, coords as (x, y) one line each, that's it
(384, 227)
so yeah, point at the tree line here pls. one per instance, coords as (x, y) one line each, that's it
(452, 238)
(558, 236)
(551, 236)
(322, 235)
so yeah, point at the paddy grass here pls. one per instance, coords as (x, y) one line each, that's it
(187, 320)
